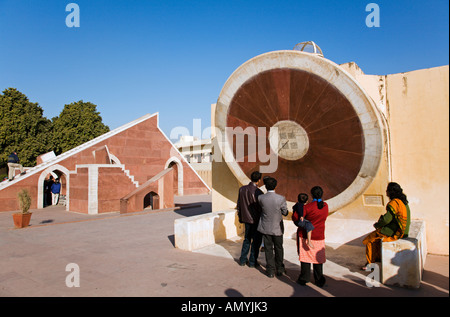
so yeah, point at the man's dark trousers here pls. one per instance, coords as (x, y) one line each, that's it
(252, 242)
(274, 244)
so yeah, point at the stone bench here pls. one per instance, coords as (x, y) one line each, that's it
(403, 260)
(192, 233)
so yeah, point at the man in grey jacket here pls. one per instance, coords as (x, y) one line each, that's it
(270, 225)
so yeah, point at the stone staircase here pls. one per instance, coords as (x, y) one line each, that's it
(131, 177)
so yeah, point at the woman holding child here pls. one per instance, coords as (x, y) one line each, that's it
(311, 243)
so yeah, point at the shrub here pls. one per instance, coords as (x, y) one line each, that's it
(24, 200)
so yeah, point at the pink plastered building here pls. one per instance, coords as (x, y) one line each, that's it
(127, 169)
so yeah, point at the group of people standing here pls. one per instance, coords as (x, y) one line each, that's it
(262, 214)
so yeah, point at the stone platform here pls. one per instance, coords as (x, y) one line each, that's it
(134, 255)
(403, 260)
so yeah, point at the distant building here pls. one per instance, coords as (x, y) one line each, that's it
(198, 153)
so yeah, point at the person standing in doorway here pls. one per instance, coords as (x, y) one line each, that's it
(273, 207)
(48, 191)
(56, 189)
(249, 212)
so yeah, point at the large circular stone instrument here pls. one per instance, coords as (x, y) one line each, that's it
(302, 119)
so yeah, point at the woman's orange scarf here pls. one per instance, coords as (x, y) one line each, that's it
(401, 215)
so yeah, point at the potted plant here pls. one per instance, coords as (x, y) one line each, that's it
(22, 219)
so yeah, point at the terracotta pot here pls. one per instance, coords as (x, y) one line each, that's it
(21, 220)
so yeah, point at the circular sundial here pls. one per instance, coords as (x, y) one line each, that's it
(313, 121)
(289, 140)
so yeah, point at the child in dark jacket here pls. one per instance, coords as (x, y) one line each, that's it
(302, 223)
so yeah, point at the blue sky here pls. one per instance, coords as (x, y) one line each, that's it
(133, 57)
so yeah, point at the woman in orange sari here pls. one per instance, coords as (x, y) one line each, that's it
(391, 226)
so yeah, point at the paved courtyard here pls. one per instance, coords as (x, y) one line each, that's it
(133, 255)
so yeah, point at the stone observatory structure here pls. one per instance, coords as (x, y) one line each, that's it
(318, 124)
(308, 121)
(127, 169)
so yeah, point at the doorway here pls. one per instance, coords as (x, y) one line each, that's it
(151, 201)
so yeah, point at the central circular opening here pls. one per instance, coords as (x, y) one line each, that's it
(289, 140)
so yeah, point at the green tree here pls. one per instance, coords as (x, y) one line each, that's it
(78, 123)
(23, 128)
